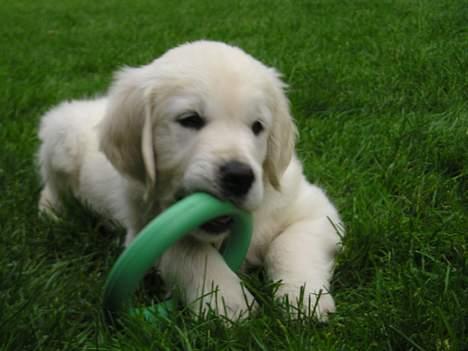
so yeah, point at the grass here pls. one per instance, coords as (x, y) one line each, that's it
(379, 91)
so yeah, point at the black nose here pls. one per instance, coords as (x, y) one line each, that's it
(236, 178)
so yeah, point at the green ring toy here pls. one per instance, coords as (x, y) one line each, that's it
(160, 234)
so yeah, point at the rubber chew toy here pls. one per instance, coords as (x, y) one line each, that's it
(160, 234)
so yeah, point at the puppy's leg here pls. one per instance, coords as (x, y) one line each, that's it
(49, 202)
(198, 271)
(59, 156)
(302, 259)
(129, 236)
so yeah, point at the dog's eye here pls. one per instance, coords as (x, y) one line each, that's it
(192, 121)
(257, 127)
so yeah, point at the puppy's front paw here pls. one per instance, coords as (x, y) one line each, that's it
(232, 306)
(303, 301)
(48, 204)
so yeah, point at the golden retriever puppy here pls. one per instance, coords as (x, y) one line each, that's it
(206, 117)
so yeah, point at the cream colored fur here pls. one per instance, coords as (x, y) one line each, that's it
(127, 157)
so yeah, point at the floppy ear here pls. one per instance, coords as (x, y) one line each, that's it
(126, 132)
(281, 142)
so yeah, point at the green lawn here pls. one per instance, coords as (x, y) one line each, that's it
(379, 91)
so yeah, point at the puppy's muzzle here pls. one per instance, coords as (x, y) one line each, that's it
(236, 179)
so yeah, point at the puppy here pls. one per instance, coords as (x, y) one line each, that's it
(205, 117)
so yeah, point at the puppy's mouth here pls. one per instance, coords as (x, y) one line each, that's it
(218, 225)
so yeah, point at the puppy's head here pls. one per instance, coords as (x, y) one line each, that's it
(205, 116)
